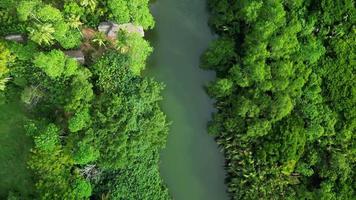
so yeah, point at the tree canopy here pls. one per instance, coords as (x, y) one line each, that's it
(97, 127)
(285, 97)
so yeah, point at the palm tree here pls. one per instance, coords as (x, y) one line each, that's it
(42, 34)
(100, 39)
(89, 3)
(3, 83)
(74, 22)
(31, 95)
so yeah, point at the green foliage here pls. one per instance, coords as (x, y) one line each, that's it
(140, 13)
(48, 139)
(80, 91)
(136, 49)
(5, 60)
(49, 13)
(285, 97)
(54, 173)
(42, 34)
(12, 196)
(97, 129)
(82, 189)
(16, 179)
(71, 67)
(221, 88)
(221, 52)
(91, 4)
(56, 64)
(100, 39)
(139, 134)
(22, 52)
(25, 9)
(139, 181)
(120, 10)
(7, 4)
(86, 150)
(79, 121)
(129, 130)
(47, 24)
(71, 39)
(108, 77)
(52, 63)
(136, 11)
(73, 9)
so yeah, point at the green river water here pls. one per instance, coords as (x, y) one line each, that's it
(191, 164)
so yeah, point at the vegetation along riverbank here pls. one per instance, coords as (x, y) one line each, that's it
(79, 120)
(286, 97)
(94, 121)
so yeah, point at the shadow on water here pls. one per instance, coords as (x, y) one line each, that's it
(191, 165)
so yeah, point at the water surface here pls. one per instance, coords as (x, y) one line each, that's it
(191, 165)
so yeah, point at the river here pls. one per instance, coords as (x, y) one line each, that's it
(191, 165)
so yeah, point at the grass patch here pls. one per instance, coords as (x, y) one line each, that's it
(14, 152)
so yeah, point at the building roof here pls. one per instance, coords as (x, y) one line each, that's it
(15, 37)
(111, 29)
(77, 55)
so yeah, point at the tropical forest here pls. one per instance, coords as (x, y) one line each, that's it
(177, 100)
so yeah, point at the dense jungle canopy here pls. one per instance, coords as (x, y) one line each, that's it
(96, 128)
(286, 97)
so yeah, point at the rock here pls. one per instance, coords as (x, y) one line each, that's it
(88, 33)
(77, 55)
(15, 38)
(105, 27)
